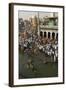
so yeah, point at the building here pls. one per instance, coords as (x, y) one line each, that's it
(49, 28)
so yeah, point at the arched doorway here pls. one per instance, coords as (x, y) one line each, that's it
(45, 35)
(53, 35)
(41, 33)
(49, 35)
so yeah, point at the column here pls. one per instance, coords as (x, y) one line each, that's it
(55, 35)
(46, 34)
(50, 35)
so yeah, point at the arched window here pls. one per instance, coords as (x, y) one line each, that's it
(48, 34)
(44, 34)
(41, 33)
(53, 35)
(57, 36)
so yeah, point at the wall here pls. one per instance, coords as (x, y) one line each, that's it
(4, 53)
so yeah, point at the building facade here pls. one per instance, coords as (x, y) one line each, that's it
(49, 28)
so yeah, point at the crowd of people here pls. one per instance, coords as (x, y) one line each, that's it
(34, 43)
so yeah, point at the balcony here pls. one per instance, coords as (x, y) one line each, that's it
(53, 27)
